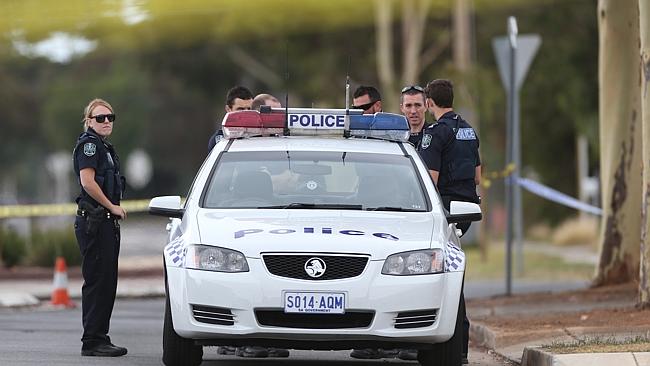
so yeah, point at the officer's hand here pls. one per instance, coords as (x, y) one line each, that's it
(118, 211)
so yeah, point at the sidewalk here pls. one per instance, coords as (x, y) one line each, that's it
(518, 326)
(139, 276)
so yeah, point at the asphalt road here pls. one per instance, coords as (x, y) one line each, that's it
(45, 336)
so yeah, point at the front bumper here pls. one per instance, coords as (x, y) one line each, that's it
(385, 297)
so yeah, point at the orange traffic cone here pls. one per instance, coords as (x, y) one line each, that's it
(60, 295)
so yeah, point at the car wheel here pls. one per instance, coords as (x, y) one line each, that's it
(177, 351)
(448, 353)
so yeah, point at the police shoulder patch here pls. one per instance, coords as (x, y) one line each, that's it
(90, 149)
(426, 140)
(465, 134)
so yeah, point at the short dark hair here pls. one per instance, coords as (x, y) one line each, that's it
(441, 91)
(371, 91)
(412, 90)
(240, 92)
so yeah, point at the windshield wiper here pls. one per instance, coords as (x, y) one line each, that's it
(317, 206)
(393, 208)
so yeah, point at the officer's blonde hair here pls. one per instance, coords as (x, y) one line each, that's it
(89, 110)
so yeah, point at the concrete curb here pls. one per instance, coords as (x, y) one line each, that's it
(482, 335)
(17, 299)
(529, 352)
(535, 356)
(36, 292)
(138, 276)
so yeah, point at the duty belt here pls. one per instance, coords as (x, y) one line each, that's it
(109, 216)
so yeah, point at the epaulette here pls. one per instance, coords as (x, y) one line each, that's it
(431, 126)
(85, 134)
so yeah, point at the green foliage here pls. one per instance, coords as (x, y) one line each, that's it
(536, 265)
(167, 77)
(44, 248)
(559, 98)
(12, 247)
(47, 245)
(117, 81)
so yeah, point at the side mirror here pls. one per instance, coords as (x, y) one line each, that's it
(167, 206)
(463, 212)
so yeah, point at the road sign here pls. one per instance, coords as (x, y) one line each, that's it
(526, 45)
(514, 54)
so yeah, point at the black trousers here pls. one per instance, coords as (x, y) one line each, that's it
(99, 254)
(465, 321)
(463, 226)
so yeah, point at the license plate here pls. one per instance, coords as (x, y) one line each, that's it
(314, 302)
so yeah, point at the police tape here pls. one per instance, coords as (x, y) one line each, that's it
(488, 177)
(62, 209)
(539, 190)
(557, 196)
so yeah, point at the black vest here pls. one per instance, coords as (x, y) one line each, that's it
(459, 159)
(416, 139)
(107, 174)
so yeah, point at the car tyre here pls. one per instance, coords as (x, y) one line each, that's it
(448, 353)
(177, 351)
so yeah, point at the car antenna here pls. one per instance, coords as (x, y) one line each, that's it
(346, 130)
(286, 95)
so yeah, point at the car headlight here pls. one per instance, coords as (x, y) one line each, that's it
(414, 263)
(217, 259)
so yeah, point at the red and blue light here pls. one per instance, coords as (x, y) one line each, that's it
(312, 122)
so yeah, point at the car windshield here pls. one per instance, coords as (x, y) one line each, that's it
(314, 180)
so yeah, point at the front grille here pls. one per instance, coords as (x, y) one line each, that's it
(278, 318)
(415, 319)
(213, 315)
(293, 266)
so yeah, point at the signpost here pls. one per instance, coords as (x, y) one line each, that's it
(514, 55)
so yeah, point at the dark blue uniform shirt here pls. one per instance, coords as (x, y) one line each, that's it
(451, 147)
(92, 151)
(216, 137)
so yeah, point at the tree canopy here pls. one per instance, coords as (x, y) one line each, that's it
(166, 66)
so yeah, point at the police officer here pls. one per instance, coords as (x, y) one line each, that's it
(96, 227)
(450, 148)
(412, 104)
(450, 151)
(265, 99)
(367, 98)
(239, 98)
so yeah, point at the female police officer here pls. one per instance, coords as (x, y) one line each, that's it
(96, 228)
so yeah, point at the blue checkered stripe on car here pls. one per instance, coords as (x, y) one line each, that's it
(454, 258)
(175, 254)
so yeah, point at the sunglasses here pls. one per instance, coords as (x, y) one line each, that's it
(101, 118)
(412, 87)
(365, 107)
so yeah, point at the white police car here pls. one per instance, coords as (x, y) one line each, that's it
(313, 238)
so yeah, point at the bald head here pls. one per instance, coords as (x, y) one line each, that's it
(265, 99)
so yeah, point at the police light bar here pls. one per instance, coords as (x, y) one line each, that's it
(252, 123)
(315, 122)
(385, 126)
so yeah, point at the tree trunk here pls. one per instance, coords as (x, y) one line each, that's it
(644, 31)
(384, 39)
(414, 17)
(620, 141)
(462, 36)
